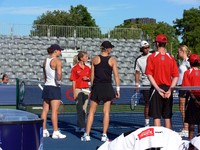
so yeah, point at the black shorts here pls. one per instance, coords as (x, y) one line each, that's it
(102, 92)
(192, 113)
(51, 93)
(158, 106)
(182, 93)
(145, 94)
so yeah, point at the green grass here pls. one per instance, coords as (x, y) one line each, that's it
(114, 108)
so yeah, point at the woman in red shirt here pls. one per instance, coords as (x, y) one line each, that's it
(80, 77)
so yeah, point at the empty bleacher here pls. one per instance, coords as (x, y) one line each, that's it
(23, 57)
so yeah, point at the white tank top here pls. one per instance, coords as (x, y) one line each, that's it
(50, 73)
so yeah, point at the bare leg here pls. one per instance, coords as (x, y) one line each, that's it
(106, 119)
(182, 102)
(44, 113)
(90, 119)
(191, 131)
(54, 116)
(168, 123)
(156, 122)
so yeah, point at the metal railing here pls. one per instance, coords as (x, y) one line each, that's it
(69, 31)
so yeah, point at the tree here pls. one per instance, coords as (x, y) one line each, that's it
(150, 30)
(189, 28)
(62, 23)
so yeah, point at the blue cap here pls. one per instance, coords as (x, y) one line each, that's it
(54, 47)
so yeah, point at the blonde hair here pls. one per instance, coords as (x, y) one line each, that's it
(185, 49)
(78, 57)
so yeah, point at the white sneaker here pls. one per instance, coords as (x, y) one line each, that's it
(104, 138)
(184, 133)
(46, 133)
(58, 135)
(85, 137)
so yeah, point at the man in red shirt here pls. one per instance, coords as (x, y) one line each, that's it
(192, 78)
(162, 72)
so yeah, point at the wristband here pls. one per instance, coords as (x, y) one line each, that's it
(117, 88)
(136, 83)
(58, 82)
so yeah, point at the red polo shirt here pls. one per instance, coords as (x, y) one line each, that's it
(192, 78)
(77, 73)
(162, 67)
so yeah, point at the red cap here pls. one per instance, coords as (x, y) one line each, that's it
(161, 38)
(194, 57)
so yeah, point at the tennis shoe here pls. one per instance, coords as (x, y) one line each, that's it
(104, 138)
(45, 133)
(85, 137)
(58, 135)
(184, 133)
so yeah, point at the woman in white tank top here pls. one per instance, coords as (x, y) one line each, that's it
(183, 52)
(52, 68)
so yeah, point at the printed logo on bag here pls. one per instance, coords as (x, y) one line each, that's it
(146, 133)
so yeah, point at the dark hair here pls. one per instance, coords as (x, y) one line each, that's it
(195, 63)
(4, 75)
(49, 51)
(161, 44)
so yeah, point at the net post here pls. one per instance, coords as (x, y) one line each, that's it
(17, 93)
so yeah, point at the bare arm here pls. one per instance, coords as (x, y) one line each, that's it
(44, 71)
(137, 77)
(116, 75)
(173, 84)
(153, 82)
(59, 70)
(74, 88)
(92, 74)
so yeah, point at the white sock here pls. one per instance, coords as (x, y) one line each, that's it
(147, 121)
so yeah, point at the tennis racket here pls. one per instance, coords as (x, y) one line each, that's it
(62, 105)
(134, 100)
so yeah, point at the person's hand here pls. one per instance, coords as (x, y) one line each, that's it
(168, 94)
(137, 88)
(117, 94)
(161, 92)
(85, 78)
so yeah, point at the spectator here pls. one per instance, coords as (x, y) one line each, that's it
(140, 76)
(183, 53)
(192, 78)
(80, 76)
(5, 79)
(162, 72)
(52, 69)
(101, 79)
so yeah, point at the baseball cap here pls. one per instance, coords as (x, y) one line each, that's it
(54, 47)
(161, 38)
(107, 44)
(144, 44)
(193, 58)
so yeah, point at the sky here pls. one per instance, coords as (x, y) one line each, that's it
(107, 13)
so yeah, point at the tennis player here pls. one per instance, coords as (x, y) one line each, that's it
(162, 72)
(183, 53)
(102, 90)
(141, 78)
(51, 94)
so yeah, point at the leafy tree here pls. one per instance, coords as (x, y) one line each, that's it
(150, 31)
(189, 28)
(56, 21)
